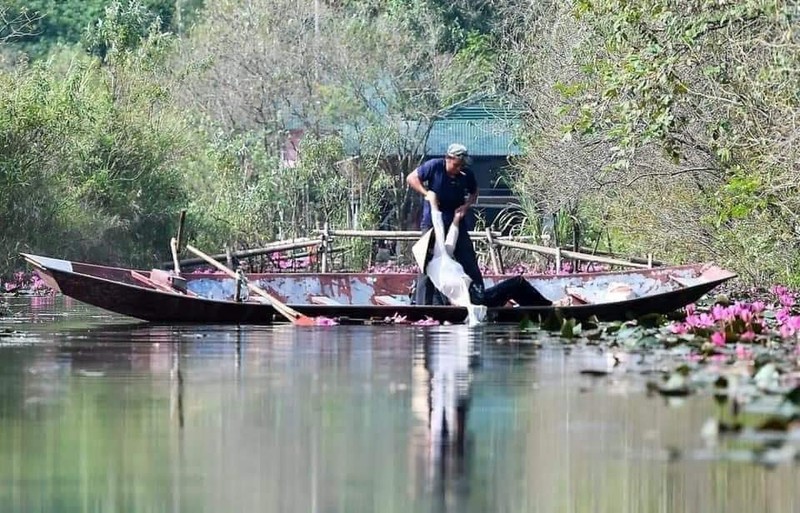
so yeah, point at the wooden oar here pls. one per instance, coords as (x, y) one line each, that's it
(290, 313)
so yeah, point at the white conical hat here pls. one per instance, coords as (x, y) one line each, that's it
(420, 249)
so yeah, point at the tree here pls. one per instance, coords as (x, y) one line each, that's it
(51, 22)
(16, 24)
(360, 75)
(90, 156)
(680, 112)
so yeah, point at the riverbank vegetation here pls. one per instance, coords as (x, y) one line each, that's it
(664, 127)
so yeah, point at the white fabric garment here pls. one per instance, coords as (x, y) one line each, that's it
(448, 275)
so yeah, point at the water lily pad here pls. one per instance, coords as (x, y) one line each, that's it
(651, 320)
(595, 373)
(676, 386)
(767, 377)
(526, 324)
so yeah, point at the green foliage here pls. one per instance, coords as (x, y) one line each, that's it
(88, 169)
(67, 21)
(739, 197)
(679, 116)
(457, 21)
(122, 29)
(249, 198)
(653, 126)
(472, 70)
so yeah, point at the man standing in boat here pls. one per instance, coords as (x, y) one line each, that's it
(452, 186)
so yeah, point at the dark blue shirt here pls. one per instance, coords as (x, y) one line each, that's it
(450, 191)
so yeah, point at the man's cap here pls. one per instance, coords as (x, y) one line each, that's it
(458, 151)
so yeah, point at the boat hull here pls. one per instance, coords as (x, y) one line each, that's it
(353, 297)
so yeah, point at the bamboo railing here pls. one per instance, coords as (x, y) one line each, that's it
(322, 245)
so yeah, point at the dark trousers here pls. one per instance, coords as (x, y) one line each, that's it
(518, 289)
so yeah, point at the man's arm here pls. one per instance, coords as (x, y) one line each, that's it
(413, 180)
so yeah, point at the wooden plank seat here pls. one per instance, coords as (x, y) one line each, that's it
(144, 280)
(684, 282)
(577, 297)
(163, 281)
(389, 301)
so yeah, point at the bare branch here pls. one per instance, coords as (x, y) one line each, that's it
(17, 24)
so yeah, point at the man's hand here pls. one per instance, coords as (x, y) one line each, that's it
(461, 212)
(430, 196)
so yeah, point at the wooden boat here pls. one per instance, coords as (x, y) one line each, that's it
(361, 297)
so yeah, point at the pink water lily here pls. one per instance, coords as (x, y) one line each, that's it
(786, 331)
(721, 313)
(747, 316)
(325, 321)
(700, 321)
(397, 319)
(782, 315)
(744, 322)
(679, 328)
(743, 353)
(747, 336)
(427, 321)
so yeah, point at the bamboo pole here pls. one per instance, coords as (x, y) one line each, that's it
(559, 253)
(593, 251)
(393, 235)
(324, 247)
(290, 313)
(496, 264)
(179, 235)
(558, 260)
(495, 239)
(272, 247)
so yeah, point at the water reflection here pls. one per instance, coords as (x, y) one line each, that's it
(109, 416)
(441, 396)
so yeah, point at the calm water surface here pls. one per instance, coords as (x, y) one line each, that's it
(101, 414)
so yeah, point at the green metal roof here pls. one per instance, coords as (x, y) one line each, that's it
(482, 138)
(481, 108)
(486, 127)
(484, 124)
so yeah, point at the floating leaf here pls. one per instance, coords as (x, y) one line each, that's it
(675, 386)
(775, 423)
(651, 320)
(683, 370)
(593, 334)
(568, 329)
(595, 373)
(793, 396)
(553, 322)
(767, 377)
(526, 324)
